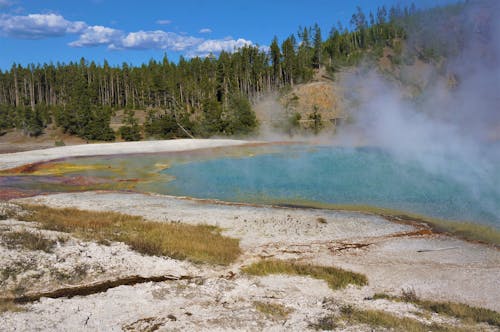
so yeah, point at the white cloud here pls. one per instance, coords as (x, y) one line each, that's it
(264, 48)
(38, 26)
(219, 45)
(139, 40)
(163, 22)
(158, 40)
(98, 35)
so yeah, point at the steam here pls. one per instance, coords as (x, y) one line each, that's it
(448, 130)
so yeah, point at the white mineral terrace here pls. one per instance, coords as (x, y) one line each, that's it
(11, 160)
(393, 256)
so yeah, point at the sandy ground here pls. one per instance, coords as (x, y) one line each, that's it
(393, 257)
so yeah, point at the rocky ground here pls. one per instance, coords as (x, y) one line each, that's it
(393, 256)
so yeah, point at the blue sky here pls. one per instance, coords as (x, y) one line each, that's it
(36, 31)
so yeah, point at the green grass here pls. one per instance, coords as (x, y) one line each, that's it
(466, 313)
(336, 278)
(273, 310)
(196, 243)
(27, 240)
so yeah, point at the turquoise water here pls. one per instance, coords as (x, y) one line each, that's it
(447, 187)
(362, 176)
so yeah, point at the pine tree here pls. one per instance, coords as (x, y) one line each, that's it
(317, 48)
(276, 61)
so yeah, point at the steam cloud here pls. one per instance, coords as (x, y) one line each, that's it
(453, 132)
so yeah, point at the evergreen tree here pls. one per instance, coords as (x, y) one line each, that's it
(276, 60)
(317, 48)
(131, 130)
(289, 60)
(197, 96)
(242, 119)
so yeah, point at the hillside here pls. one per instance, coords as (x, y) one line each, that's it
(415, 49)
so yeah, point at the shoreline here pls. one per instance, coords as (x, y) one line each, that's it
(20, 162)
(17, 159)
(394, 255)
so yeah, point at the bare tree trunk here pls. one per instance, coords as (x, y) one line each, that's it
(32, 92)
(16, 87)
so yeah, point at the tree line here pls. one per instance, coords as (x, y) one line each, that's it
(193, 97)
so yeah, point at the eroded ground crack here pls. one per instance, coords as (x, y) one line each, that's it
(94, 288)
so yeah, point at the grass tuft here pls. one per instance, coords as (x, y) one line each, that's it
(335, 277)
(465, 312)
(409, 295)
(273, 310)
(196, 243)
(321, 220)
(27, 240)
(8, 211)
(326, 323)
(9, 306)
(377, 318)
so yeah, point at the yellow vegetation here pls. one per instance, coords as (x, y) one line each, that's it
(462, 311)
(273, 310)
(335, 277)
(197, 243)
(10, 306)
(64, 168)
(27, 240)
(377, 318)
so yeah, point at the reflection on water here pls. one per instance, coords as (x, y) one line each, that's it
(284, 174)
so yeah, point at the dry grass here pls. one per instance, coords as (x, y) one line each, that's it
(326, 323)
(17, 267)
(466, 313)
(377, 318)
(409, 295)
(27, 240)
(467, 230)
(273, 310)
(8, 211)
(321, 220)
(10, 306)
(462, 229)
(197, 243)
(335, 277)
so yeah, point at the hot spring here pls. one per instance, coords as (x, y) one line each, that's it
(291, 174)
